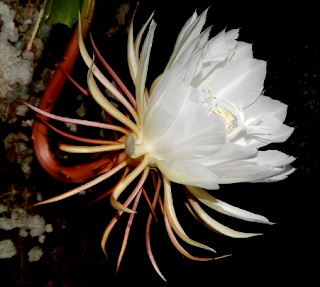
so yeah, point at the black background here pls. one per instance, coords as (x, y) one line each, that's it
(284, 34)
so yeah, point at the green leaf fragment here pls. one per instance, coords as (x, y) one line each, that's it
(64, 12)
(61, 11)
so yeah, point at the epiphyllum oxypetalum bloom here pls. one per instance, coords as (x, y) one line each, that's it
(201, 125)
(205, 117)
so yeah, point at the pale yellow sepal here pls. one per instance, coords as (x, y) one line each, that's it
(107, 106)
(142, 167)
(224, 207)
(170, 212)
(89, 62)
(213, 224)
(86, 185)
(89, 149)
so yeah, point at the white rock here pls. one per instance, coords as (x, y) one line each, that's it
(35, 254)
(48, 228)
(3, 208)
(41, 238)
(36, 224)
(7, 249)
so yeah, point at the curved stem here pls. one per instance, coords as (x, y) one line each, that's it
(40, 131)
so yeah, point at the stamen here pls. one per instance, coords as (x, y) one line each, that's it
(211, 102)
(208, 99)
(234, 132)
(226, 116)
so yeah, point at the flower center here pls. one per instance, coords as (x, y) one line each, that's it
(211, 102)
(138, 151)
(226, 116)
(133, 149)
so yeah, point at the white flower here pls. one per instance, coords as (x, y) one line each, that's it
(206, 117)
(201, 124)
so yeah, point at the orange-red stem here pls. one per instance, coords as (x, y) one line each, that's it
(45, 156)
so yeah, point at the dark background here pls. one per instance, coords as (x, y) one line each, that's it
(285, 35)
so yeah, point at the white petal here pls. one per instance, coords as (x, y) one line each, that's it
(202, 39)
(231, 37)
(238, 81)
(143, 69)
(165, 102)
(243, 51)
(224, 207)
(193, 66)
(266, 106)
(217, 48)
(250, 141)
(188, 173)
(244, 173)
(192, 97)
(281, 176)
(132, 56)
(194, 133)
(215, 52)
(195, 45)
(272, 158)
(139, 37)
(184, 29)
(280, 134)
(256, 169)
(189, 32)
(229, 152)
(263, 127)
(132, 61)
